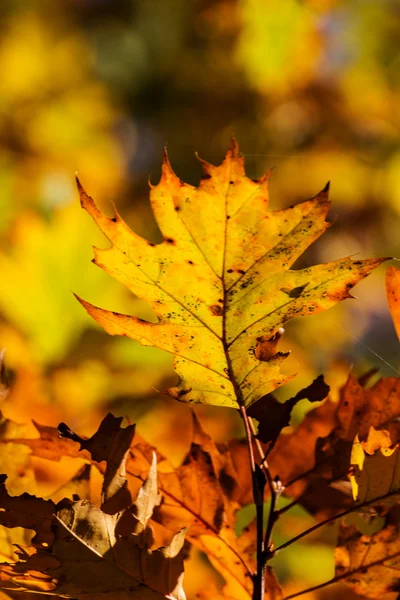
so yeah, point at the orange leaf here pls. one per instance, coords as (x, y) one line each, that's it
(393, 295)
(370, 565)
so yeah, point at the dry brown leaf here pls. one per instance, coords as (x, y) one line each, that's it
(111, 444)
(358, 410)
(375, 466)
(81, 552)
(273, 415)
(370, 565)
(200, 494)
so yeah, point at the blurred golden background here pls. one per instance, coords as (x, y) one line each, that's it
(310, 87)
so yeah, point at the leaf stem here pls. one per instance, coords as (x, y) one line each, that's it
(263, 458)
(258, 497)
(334, 518)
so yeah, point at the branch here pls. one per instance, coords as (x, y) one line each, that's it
(334, 518)
(273, 513)
(258, 497)
(263, 458)
(337, 578)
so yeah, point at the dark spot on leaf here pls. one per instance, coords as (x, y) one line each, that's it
(230, 271)
(241, 271)
(114, 219)
(151, 244)
(170, 241)
(177, 209)
(216, 310)
(190, 262)
(231, 182)
(184, 392)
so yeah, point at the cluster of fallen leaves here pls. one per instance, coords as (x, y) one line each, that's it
(221, 287)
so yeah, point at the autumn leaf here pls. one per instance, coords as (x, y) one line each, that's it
(110, 443)
(200, 494)
(293, 460)
(197, 495)
(370, 565)
(393, 295)
(273, 415)
(79, 551)
(375, 466)
(358, 410)
(220, 283)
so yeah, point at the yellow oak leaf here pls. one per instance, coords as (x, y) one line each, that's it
(220, 283)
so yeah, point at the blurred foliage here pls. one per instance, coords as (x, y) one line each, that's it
(310, 87)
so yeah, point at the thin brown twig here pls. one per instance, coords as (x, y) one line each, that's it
(341, 577)
(284, 509)
(334, 518)
(272, 515)
(258, 496)
(263, 459)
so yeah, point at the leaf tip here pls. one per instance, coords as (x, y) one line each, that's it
(167, 173)
(265, 178)
(234, 148)
(86, 201)
(326, 188)
(81, 191)
(206, 167)
(86, 305)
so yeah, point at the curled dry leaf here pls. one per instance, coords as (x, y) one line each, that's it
(81, 552)
(110, 443)
(220, 283)
(198, 495)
